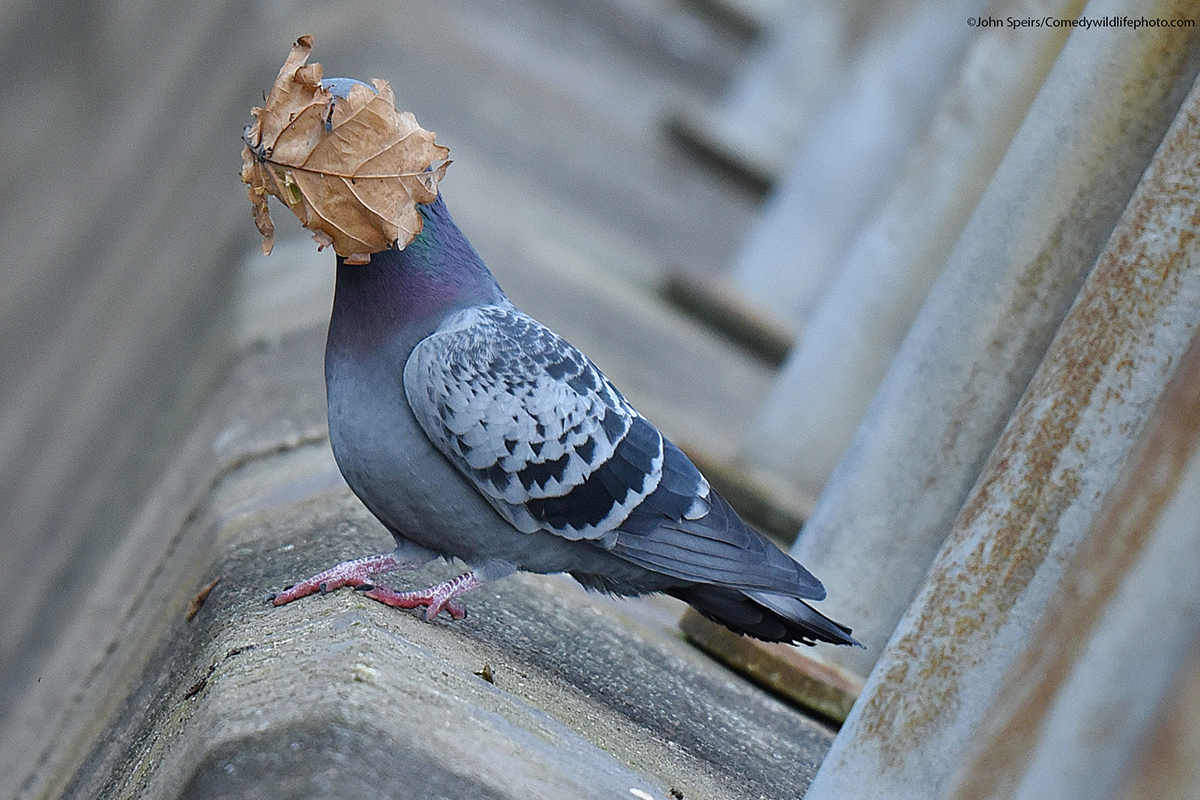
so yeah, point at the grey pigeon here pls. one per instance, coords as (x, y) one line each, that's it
(473, 431)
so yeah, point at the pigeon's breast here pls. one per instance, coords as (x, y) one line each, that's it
(387, 460)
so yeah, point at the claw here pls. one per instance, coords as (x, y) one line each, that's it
(435, 599)
(348, 573)
(358, 573)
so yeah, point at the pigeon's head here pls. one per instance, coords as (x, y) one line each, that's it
(340, 87)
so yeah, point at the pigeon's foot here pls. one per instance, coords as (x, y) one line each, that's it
(349, 573)
(435, 599)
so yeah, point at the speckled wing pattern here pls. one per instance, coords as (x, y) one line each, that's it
(538, 428)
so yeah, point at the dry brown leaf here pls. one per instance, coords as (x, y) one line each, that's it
(352, 171)
(201, 596)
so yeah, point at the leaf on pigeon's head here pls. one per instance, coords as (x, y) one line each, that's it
(351, 169)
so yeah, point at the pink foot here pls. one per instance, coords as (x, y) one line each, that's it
(348, 573)
(435, 598)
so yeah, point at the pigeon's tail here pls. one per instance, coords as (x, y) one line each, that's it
(770, 617)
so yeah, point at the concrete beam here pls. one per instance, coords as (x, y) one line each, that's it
(1037, 496)
(1037, 232)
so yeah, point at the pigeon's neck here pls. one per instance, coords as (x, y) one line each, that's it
(402, 295)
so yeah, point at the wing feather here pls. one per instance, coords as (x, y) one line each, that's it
(552, 445)
(532, 423)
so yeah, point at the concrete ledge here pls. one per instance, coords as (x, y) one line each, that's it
(721, 309)
(337, 696)
(331, 697)
(272, 398)
(824, 689)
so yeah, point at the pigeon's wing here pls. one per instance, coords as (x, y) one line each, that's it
(532, 423)
(713, 547)
(541, 432)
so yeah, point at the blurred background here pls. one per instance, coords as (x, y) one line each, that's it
(737, 208)
(132, 274)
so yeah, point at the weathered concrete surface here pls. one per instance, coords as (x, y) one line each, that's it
(896, 252)
(114, 314)
(990, 317)
(124, 222)
(1039, 494)
(1085, 683)
(123, 225)
(338, 696)
(116, 620)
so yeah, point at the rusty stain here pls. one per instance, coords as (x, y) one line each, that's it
(1005, 530)
(1116, 540)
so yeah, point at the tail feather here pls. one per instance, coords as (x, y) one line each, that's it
(765, 616)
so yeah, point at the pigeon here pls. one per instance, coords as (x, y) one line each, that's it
(474, 432)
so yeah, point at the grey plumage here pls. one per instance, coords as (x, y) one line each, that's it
(532, 423)
(473, 431)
